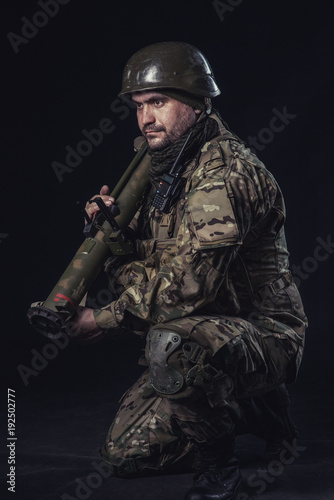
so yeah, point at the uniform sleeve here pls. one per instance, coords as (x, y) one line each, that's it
(219, 210)
(188, 282)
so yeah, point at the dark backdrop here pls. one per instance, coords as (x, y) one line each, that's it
(61, 73)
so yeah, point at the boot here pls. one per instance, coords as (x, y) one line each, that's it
(218, 476)
(267, 416)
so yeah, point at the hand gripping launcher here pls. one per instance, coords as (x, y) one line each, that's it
(51, 317)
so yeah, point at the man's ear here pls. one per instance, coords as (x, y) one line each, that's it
(197, 111)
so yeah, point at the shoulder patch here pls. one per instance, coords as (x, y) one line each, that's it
(211, 217)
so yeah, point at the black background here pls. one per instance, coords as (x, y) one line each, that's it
(265, 56)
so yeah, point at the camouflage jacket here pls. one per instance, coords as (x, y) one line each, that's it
(221, 250)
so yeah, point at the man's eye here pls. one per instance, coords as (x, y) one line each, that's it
(158, 102)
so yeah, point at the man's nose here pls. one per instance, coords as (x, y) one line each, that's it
(147, 115)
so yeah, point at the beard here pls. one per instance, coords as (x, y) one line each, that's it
(166, 137)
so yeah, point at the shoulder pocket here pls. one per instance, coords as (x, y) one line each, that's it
(211, 215)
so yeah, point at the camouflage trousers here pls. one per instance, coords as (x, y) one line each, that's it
(152, 432)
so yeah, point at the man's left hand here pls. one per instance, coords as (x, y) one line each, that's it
(84, 327)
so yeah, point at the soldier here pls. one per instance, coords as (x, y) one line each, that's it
(209, 287)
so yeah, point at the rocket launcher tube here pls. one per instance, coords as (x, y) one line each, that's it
(51, 318)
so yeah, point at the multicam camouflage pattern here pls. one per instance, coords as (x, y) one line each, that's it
(144, 435)
(205, 256)
(149, 431)
(216, 272)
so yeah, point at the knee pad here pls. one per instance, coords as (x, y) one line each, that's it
(176, 365)
(161, 344)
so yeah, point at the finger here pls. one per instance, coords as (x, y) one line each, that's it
(93, 208)
(104, 190)
(107, 200)
(103, 197)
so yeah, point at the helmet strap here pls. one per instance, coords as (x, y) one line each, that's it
(208, 105)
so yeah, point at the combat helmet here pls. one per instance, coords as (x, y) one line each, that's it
(177, 66)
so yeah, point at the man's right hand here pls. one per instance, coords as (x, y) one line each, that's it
(92, 208)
